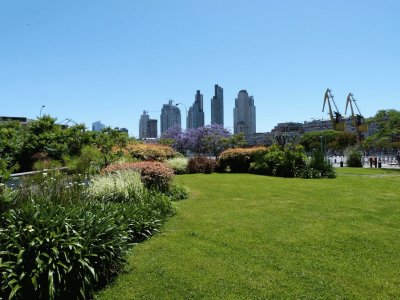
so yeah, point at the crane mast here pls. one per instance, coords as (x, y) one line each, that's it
(358, 119)
(337, 120)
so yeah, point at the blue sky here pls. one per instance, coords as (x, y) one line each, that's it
(110, 60)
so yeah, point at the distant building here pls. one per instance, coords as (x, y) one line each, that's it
(170, 116)
(98, 126)
(217, 106)
(244, 114)
(196, 112)
(125, 130)
(22, 120)
(147, 127)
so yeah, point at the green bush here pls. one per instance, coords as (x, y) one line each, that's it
(318, 167)
(288, 162)
(59, 241)
(201, 164)
(150, 152)
(155, 175)
(238, 160)
(178, 164)
(354, 157)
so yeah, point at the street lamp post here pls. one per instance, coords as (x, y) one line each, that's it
(177, 104)
(40, 114)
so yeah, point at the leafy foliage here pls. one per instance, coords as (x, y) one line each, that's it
(60, 240)
(154, 175)
(154, 152)
(354, 157)
(238, 160)
(201, 164)
(178, 164)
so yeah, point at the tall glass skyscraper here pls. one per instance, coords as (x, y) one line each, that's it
(217, 106)
(147, 126)
(170, 116)
(196, 112)
(244, 114)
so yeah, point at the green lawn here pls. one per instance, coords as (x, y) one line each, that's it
(242, 236)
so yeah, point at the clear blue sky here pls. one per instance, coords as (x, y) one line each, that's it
(110, 60)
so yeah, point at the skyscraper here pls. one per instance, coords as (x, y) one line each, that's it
(147, 126)
(217, 106)
(98, 126)
(144, 118)
(244, 114)
(170, 116)
(196, 112)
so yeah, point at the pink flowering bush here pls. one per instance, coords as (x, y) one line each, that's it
(154, 175)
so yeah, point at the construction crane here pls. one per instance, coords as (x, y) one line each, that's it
(358, 119)
(337, 120)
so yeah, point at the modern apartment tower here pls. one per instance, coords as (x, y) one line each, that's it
(147, 126)
(98, 126)
(244, 114)
(217, 106)
(170, 116)
(196, 112)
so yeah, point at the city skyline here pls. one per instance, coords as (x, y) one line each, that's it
(113, 60)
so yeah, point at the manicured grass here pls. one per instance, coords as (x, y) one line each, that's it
(242, 236)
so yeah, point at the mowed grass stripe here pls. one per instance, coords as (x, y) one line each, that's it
(242, 236)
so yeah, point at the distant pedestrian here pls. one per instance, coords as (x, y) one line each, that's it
(370, 161)
(375, 161)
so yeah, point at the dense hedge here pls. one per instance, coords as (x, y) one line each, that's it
(238, 160)
(201, 164)
(155, 152)
(155, 175)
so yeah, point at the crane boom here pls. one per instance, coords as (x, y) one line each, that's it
(358, 119)
(337, 120)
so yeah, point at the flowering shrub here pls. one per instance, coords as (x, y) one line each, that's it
(155, 175)
(201, 164)
(150, 152)
(238, 160)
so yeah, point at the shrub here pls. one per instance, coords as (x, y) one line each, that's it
(146, 152)
(59, 242)
(88, 162)
(201, 164)
(318, 167)
(354, 157)
(155, 175)
(238, 160)
(288, 162)
(178, 164)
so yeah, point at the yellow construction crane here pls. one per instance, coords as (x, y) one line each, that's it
(337, 120)
(358, 119)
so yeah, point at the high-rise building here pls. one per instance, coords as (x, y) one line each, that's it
(170, 116)
(98, 126)
(196, 112)
(244, 114)
(147, 126)
(217, 106)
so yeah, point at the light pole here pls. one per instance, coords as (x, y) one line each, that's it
(40, 114)
(177, 104)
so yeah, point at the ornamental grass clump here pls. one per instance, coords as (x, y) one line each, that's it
(60, 239)
(119, 186)
(155, 175)
(178, 164)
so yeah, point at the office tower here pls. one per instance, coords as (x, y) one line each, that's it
(170, 116)
(147, 127)
(152, 131)
(196, 112)
(244, 114)
(217, 106)
(98, 126)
